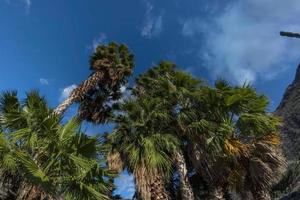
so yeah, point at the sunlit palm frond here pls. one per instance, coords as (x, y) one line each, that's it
(236, 148)
(67, 132)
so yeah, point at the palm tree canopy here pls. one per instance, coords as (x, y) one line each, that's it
(143, 134)
(58, 158)
(115, 64)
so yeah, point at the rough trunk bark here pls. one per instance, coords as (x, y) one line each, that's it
(157, 189)
(185, 186)
(29, 192)
(65, 105)
(78, 93)
(150, 185)
(8, 185)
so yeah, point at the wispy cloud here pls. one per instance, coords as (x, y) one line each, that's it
(153, 23)
(65, 92)
(99, 40)
(125, 185)
(192, 27)
(243, 42)
(26, 3)
(44, 81)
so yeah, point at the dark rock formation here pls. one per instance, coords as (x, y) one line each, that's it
(289, 111)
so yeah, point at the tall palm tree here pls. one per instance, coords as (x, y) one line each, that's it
(50, 158)
(170, 85)
(143, 140)
(110, 65)
(229, 128)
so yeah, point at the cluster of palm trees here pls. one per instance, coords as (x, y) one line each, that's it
(179, 137)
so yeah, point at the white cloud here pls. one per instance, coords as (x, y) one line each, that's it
(125, 185)
(99, 40)
(153, 24)
(44, 81)
(66, 92)
(123, 88)
(243, 42)
(126, 94)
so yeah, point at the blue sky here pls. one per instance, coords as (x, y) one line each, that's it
(46, 44)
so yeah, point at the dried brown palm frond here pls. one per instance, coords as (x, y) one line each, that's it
(268, 150)
(264, 165)
(236, 148)
(114, 161)
(236, 180)
(272, 139)
(261, 174)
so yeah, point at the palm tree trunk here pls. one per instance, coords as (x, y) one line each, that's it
(150, 185)
(185, 186)
(157, 188)
(9, 183)
(61, 108)
(78, 93)
(28, 192)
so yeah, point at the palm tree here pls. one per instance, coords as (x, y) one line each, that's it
(110, 65)
(145, 144)
(51, 159)
(232, 138)
(170, 85)
(223, 126)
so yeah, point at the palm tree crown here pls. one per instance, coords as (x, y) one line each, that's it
(146, 146)
(51, 159)
(111, 65)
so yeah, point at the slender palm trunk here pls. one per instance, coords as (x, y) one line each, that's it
(185, 186)
(65, 105)
(78, 93)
